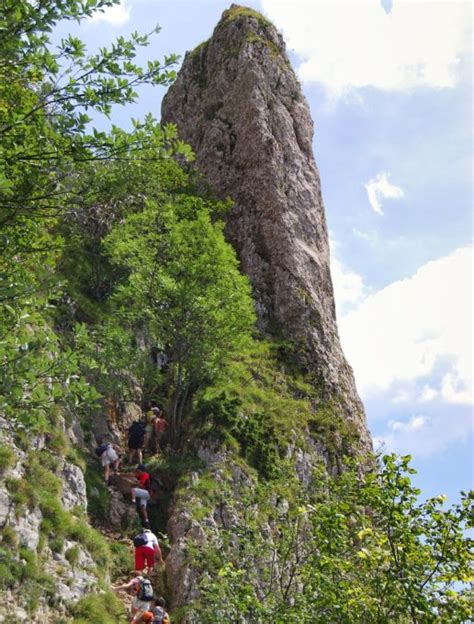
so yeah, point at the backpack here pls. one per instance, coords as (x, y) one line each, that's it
(101, 449)
(154, 485)
(160, 616)
(140, 540)
(145, 590)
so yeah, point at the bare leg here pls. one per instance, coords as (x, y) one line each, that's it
(143, 514)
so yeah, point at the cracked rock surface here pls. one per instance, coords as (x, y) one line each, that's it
(239, 105)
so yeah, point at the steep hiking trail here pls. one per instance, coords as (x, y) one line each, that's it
(122, 522)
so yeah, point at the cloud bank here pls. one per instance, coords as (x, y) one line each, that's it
(416, 329)
(410, 345)
(348, 44)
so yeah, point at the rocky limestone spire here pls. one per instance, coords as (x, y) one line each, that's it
(239, 105)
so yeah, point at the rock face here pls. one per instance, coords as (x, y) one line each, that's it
(238, 103)
(23, 525)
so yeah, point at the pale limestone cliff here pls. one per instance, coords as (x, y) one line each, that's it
(238, 103)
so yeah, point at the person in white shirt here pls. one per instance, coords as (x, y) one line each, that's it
(147, 548)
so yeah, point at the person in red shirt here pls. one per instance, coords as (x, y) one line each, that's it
(142, 494)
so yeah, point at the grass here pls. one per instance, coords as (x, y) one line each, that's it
(24, 569)
(97, 493)
(265, 403)
(43, 488)
(105, 608)
(72, 555)
(57, 442)
(199, 49)
(9, 537)
(234, 13)
(7, 458)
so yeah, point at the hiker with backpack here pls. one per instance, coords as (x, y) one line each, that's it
(159, 613)
(136, 441)
(142, 494)
(147, 548)
(142, 590)
(109, 455)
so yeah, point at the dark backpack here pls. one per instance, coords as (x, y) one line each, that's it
(101, 449)
(154, 485)
(136, 432)
(140, 540)
(145, 590)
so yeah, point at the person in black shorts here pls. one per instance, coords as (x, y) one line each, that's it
(136, 441)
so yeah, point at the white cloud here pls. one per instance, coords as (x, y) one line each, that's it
(116, 15)
(415, 422)
(381, 187)
(348, 285)
(424, 436)
(350, 44)
(416, 329)
(428, 394)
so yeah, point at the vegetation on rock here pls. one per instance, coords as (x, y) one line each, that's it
(117, 284)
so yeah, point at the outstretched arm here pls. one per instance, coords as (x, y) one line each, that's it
(124, 586)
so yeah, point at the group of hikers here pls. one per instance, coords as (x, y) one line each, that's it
(144, 437)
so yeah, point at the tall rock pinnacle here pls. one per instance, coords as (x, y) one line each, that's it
(239, 105)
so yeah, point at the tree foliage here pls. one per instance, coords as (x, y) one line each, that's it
(354, 548)
(184, 287)
(47, 151)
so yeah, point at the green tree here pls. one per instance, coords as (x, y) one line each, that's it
(46, 154)
(354, 548)
(184, 289)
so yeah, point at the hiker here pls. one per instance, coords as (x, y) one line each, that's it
(142, 589)
(109, 458)
(141, 495)
(146, 549)
(158, 613)
(136, 440)
(160, 425)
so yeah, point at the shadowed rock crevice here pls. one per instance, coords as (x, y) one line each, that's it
(238, 103)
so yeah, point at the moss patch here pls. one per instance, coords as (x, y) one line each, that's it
(200, 49)
(235, 12)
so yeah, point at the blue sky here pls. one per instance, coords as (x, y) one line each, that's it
(389, 87)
